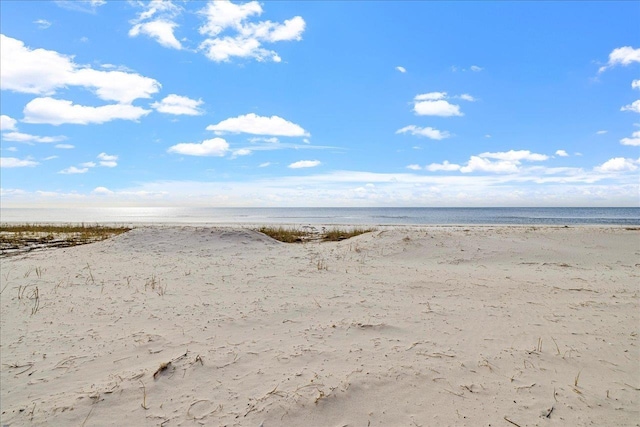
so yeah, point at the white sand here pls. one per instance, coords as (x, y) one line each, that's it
(426, 326)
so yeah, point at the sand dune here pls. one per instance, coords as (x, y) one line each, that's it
(425, 326)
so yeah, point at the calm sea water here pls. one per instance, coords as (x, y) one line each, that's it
(347, 216)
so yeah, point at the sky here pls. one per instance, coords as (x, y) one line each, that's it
(275, 103)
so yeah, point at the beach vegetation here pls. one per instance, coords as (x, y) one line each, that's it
(297, 235)
(17, 238)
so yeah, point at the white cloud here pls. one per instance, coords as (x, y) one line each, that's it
(72, 170)
(562, 153)
(88, 164)
(179, 105)
(444, 166)
(429, 132)
(487, 136)
(59, 111)
(480, 164)
(222, 49)
(242, 152)
(437, 108)
(245, 38)
(401, 69)
(467, 97)
(622, 56)
(102, 191)
(414, 167)
(157, 22)
(86, 6)
(635, 84)
(617, 164)
(434, 104)
(601, 132)
(475, 68)
(633, 141)
(12, 162)
(272, 140)
(634, 106)
(25, 137)
(222, 15)
(516, 156)
(431, 96)
(43, 72)
(108, 160)
(50, 158)
(160, 30)
(216, 147)
(7, 123)
(264, 165)
(65, 146)
(304, 164)
(12, 149)
(42, 24)
(259, 125)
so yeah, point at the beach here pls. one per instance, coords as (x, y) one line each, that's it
(406, 325)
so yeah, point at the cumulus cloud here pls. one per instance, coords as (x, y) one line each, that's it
(621, 56)
(562, 153)
(480, 164)
(229, 33)
(259, 125)
(157, 21)
(43, 72)
(58, 111)
(428, 132)
(635, 84)
(12, 162)
(633, 141)
(401, 69)
(7, 123)
(634, 106)
(27, 138)
(431, 96)
(102, 191)
(179, 105)
(617, 164)
(242, 152)
(497, 162)
(216, 147)
(467, 97)
(434, 104)
(65, 146)
(414, 167)
(304, 164)
(86, 6)
(108, 160)
(444, 166)
(88, 164)
(516, 156)
(72, 170)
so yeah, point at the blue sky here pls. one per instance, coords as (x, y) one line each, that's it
(203, 103)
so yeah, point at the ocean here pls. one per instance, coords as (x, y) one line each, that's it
(332, 216)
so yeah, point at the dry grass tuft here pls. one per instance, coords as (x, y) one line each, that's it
(286, 235)
(18, 238)
(295, 235)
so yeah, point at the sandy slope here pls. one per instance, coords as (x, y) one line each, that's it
(404, 326)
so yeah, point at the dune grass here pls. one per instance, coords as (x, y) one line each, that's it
(296, 235)
(16, 238)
